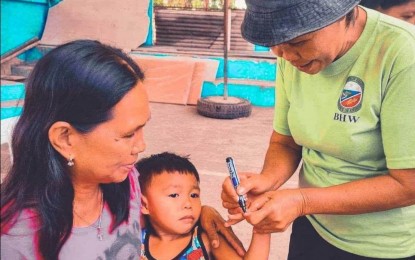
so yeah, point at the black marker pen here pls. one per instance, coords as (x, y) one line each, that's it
(235, 182)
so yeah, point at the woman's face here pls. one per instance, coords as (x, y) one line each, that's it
(312, 52)
(108, 153)
(405, 11)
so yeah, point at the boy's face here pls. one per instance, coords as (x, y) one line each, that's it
(172, 201)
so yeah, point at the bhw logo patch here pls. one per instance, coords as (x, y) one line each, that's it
(351, 98)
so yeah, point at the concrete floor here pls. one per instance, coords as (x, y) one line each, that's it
(180, 129)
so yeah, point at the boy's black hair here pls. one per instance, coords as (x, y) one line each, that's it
(163, 162)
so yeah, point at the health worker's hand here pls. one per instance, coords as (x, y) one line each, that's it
(251, 185)
(274, 211)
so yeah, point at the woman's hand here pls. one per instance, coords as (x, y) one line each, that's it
(213, 223)
(251, 185)
(274, 211)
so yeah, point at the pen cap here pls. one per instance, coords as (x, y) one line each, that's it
(232, 172)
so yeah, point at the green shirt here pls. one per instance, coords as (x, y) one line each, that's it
(356, 119)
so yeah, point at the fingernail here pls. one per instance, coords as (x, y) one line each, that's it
(241, 191)
(215, 243)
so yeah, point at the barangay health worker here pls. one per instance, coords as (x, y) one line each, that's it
(345, 107)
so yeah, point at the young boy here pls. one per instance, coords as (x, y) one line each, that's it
(171, 206)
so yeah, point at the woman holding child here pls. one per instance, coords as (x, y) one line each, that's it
(73, 191)
(344, 108)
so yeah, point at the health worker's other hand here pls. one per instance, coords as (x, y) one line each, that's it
(274, 211)
(213, 224)
(251, 185)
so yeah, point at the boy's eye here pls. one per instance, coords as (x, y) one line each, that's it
(194, 195)
(174, 195)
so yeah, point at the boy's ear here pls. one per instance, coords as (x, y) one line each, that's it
(144, 205)
(61, 136)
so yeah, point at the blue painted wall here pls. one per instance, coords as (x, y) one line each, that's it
(149, 40)
(11, 92)
(22, 21)
(246, 72)
(260, 48)
(258, 96)
(239, 68)
(7, 112)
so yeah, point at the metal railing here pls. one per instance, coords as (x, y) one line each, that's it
(199, 4)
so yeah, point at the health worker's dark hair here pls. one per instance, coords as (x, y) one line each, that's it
(351, 17)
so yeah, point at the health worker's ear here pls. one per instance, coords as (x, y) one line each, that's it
(144, 205)
(62, 136)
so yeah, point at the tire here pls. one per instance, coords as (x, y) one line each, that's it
(218, 107)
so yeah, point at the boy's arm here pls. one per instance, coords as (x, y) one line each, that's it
(258, 249)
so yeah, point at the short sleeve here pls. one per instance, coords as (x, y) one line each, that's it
(281, 102)
(398, 120)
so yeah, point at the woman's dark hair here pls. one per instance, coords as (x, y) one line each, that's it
(79, 82)
(384, 4)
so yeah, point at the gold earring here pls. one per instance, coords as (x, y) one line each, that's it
(70, 161)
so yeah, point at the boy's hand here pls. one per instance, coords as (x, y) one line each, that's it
(213, 223)
(251, 186)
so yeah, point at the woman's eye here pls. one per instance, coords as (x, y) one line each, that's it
(194, 195)
(174, 195)
(129, 135)
(407, 18)
(297, 43)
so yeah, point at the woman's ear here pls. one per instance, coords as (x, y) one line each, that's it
(61, 136)
(144, 205)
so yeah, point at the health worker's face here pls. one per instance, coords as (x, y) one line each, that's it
(108, 153)
(173, 203)
(312, 52)
(405, 11)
